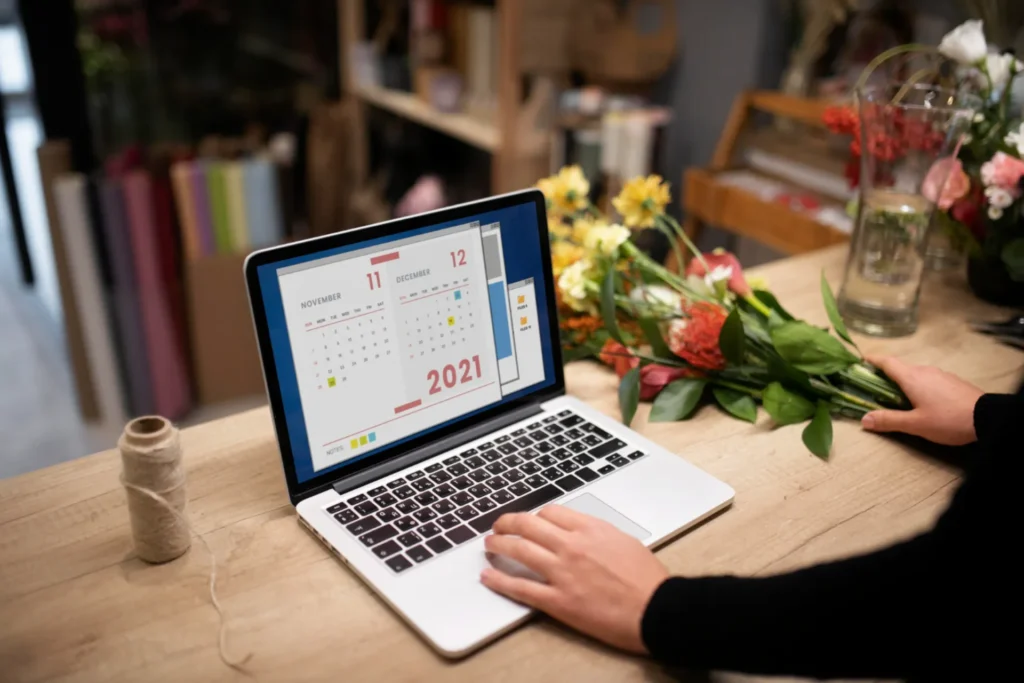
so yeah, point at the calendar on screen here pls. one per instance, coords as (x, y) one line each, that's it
(391, 339)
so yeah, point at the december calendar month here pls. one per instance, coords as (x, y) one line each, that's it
(392, 339)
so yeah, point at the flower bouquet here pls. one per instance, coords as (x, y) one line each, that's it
(707, 334)
(979, 206)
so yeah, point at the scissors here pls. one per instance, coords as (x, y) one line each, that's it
(1010, 331)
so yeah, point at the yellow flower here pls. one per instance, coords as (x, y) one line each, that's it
(641, 200)
(563, 255)
(572, 284)
(567, 192)
(557, 229)
(605, 238)
(581, 226)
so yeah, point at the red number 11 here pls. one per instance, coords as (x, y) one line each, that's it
(374, 276)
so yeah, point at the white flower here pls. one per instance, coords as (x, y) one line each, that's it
(995, 213)
(998, 197)
(1000, 68)
(966, 43)
(658, 295)
(718, 280)
(605, 238)
(979, 117)
(698, 285)
(572, 283)
(1015, 138)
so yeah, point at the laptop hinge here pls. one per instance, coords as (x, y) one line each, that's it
(446, 444)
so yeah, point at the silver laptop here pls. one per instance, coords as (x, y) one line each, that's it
(415, 377)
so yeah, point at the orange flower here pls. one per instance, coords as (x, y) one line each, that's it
(618, 357)
(695, 338)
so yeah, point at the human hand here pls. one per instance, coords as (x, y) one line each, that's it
(599, 579)
(943, 404)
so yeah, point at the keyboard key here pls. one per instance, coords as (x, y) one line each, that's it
(519, 489)
(545, 447)
(530, 468)
(385, 500)
(565, 413)
(426, 498)
(636, 455)
(406, 523)
(366, 508)
(518, 432)
(424, 514)
(461, 498)
(475, 462)
(480, 490)
(378, 535)
(512, 460)
(582, 460)
(410, 539)
(546, 461)
(528, 453)
(606, 469)
(450, 461)
(406, 506)
(577, 447)
(443, 491)
(447, 522)
(530, 501)
(548, 420)
(361, 498)
(440, 477)
(502, 497)
(422, 484)
(505, 438)
(586, 474)
(523, 442)
(587, 426)
(419, 554)
(569, 482)
(396, 483)
(462, 483)
(561, 453)
(568, 466)
(460, 535)
(514, 475)
(429, 529)
(363, 525)
(508, 448)
(346, 516)
(497, 483)
(479, 475)
(433, 468)
(388, 515)
(618, 460)
(467, 513)
(373, 493)
(496, 468)
(607, 448)
(442, 507)
(491, 455)
(553, 429)
(537, 481)
(398, 564)
(438, 545)
(533, 425)
(571, 421)
(575, 433)
(559, 440)
(485, 445)
(600, 433)
(538, 435)
(413, 476)
(466, 454)
(458, 470)
(552, 473)
(387, 549)
(403, 492)
(592, 440)
(485, 504)
(337, 507)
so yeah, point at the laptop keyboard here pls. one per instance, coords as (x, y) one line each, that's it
(412, 518)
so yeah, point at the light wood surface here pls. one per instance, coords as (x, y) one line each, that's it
(78, 606)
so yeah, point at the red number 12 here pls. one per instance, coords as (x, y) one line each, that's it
(458, 258)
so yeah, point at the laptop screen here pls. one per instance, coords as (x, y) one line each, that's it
(384, 340)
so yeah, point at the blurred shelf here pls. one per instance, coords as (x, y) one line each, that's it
(472, 131)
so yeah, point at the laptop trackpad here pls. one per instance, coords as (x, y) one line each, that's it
(590, 505)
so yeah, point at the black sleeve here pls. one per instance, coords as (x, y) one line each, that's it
(918, 608)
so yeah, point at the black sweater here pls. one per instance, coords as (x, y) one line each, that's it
(945, 604)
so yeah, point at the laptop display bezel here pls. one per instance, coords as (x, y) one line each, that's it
(300, 490)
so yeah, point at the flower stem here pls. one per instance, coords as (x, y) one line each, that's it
(681, 234)
(758, 305)
(738, 387)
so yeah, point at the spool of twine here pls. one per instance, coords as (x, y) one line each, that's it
(154, 480)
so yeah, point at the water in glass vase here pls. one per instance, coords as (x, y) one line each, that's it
(883, 279)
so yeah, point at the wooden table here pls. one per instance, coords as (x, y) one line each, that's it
(75, 604)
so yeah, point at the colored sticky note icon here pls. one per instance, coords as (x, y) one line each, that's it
(458, 294)
(331, 381)
(451, 320)
(522, 321)
(363, 440)
(521, 299)
(373, 436)
(354, 443)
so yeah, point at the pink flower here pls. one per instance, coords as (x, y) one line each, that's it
(654, 377)
(1002, 170)
(950, 171)
(722, 260)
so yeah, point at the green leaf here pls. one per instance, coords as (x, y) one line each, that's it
(782, 371)
(652, 333)
(732, 340)
(785, 406)
(769, 300)
(677, 400)
(611, 323)
(810, 349)
(817, 434)
(629, 395)
(833, 311)
(1013, 257)
(736, 403)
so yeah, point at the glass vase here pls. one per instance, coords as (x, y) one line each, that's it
(904, 131)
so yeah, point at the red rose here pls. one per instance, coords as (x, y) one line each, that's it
(653, 379)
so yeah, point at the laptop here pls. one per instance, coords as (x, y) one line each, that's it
(415, 377)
